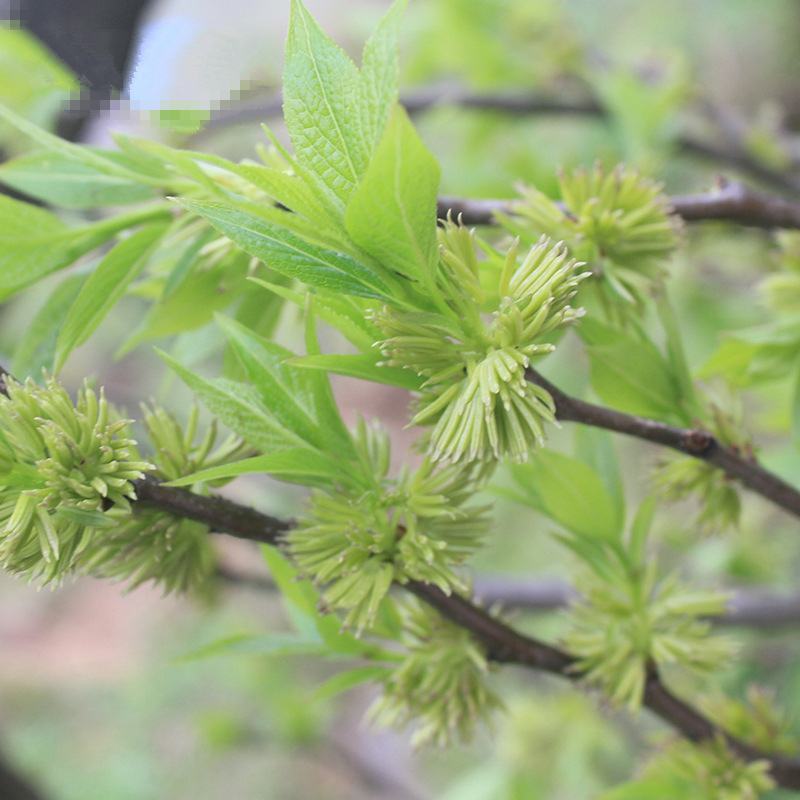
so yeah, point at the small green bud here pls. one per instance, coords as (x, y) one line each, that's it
(622, 625)
(356, 542)
(618, 222)
(67, 473)
(441, 684)
(476, 395)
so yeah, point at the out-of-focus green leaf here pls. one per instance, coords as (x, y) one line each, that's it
(37, 347)
(60, 181)
(629, 373)
(297, 463)
(363, 366)
(347, 680)
(571, 493)
(104, 288)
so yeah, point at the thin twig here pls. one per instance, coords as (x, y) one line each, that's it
(729, 202)
(754, 608)
(503, 643)
(693, 442)
(520, 104)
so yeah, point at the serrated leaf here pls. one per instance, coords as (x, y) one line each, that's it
(104, 288)
(61, 181)
(263, 363)
(321, 103)
(392, 213)
(238, 406)
(379, 74)
(364, 366)
(288, 254)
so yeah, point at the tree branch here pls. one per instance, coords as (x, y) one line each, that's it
(522, 104)
(754, 608)
(696, 443)
(503, 644)
(729, 202)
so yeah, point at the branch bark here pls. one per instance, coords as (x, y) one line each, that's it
(729, 202)
(503, 644)
(696, 443)
(525, 104)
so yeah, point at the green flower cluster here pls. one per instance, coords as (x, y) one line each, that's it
(711, 771)
(355, 542)
(682, 477)
(66, 475)
(618, 222)
(441, 683)
(152, 545)
(623, 625)
(475, 393)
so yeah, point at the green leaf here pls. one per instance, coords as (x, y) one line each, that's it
(796, 406)
(296, 464)
(321, 102)
(273, 644)
(349, 679)
(104, 288)
(280, 391)
(34, 242)
(392, 213)
(92, 159)
(238, 406)
(379, 74)
(346, 314)
(363, 366)
(287, 253)
(60, 181)
(37, 347)
(302, 603)
(571, 493)
(629, 374)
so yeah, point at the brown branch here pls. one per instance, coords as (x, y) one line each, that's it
(696, 443)
(503, 644)
(521, 104)
(754, 608)
(14, 786)
(729, 202)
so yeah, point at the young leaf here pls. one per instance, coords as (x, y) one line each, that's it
(392, 213)
(287, 253)
(379, 74)
(628, 373)
(103, 289)
(349, 679)
(238, 406)
(34, 242)
(321, 99)
(263, 363)
(38, 345)
(60, 181)
(296, 465)
(364, 366)
(571, 493)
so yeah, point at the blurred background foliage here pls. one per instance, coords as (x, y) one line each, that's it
(119, 698)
